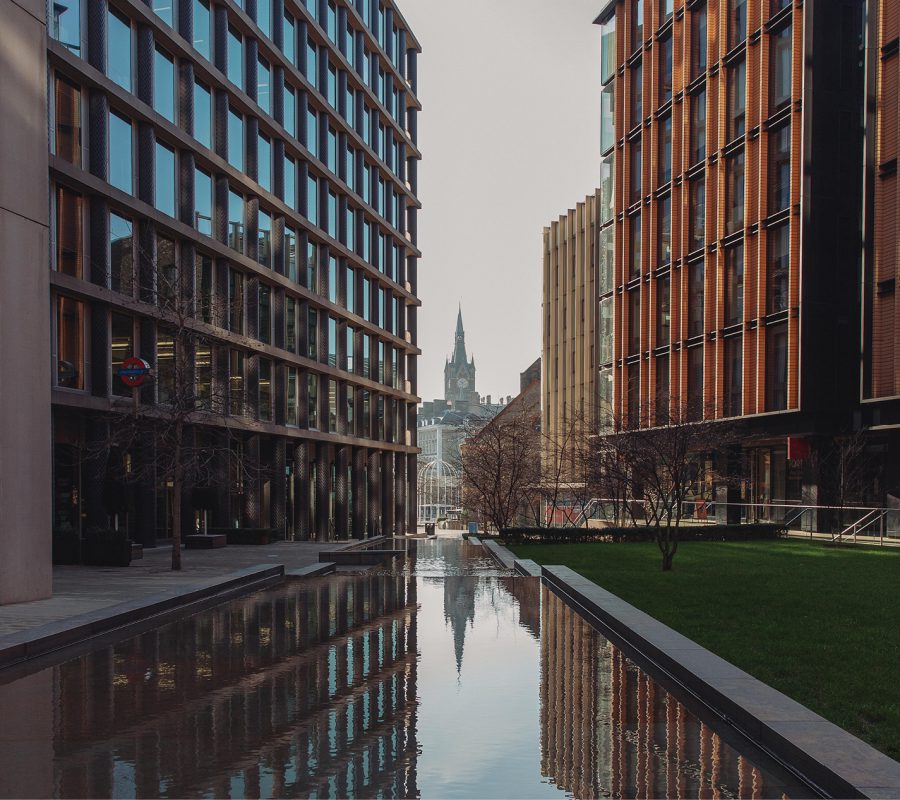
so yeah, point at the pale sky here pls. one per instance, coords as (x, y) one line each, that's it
(509, 134)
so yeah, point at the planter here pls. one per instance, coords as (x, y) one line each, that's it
(106, 548)
(66, 547)
(246, 535)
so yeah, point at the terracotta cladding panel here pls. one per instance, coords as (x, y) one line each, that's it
(889, 11)
(887, 109)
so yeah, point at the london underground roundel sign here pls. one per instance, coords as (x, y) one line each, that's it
(134, 371)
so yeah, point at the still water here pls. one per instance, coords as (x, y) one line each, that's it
(443, 677)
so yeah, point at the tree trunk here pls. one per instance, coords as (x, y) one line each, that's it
(176, 500)
(667, 560)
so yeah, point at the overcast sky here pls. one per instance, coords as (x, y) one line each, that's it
(509, 134)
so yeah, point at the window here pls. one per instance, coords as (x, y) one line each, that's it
(165, 366)
(734, 167)
(166, 272)
(235, 301)
(332, 279)
(290, 111)
(349, 390)
(737, 22)
(734, 285)
(65, 24)
(349, 227)
(118, 49)
(236, 383)
(695, 383)
(235, 69)
(121, 254)
(312, 200)
(779, 168)
(69, 232)
(312, 267)
(312, 132)
(165, 179)
(202, 28)
(120, 144)
(698, 126)
(203, 374)
(204, 287)
(606, 330)
(779, 240)
(289, 38)
(264, 239)
(264, 16)
(698, 213)
(695, 298)
(634, 321)
(290, 182)
(637, 24)
(665, 70)
(263, 86)
(164, 84)
(663, 313)
(634, 396)
(662, 390)
(636, 171)
(290, 325)
(264, 162)
(664, 210)
(292, 397)
(264, 395)
(68, 122)
(235, 221)
(236, 140)
(291, 256)
(312, 401)
(331, 219)
(312, 334)
(350, 289)
(69, 343)
(331, 149)
(311, 65)
(331, 86)
(351, 346)
(698, 45)
(737, 99)
(776, 367)
(665, 150)
(780, 67)
(203, 202)
(121, 346)
(163, 9)
(666, 8)
(637, 95)
(734, 376)
(202, 114)
(634, 229)
(332, 342)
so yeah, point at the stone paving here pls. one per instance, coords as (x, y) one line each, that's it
(80, 589)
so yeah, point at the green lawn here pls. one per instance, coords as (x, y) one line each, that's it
(818, 623)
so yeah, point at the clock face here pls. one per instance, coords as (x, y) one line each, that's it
(463, 383)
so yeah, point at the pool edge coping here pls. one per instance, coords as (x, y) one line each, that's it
(834, 760)
(134, 616)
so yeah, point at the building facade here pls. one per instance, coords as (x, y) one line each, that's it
(255, 162)
(731, 225)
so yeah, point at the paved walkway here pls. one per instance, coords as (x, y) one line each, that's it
(77, 590)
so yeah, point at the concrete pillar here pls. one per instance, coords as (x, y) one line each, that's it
(301, 491)
(251, 483)
(323, 491)
(387, 492)
(358, 510)
(342, 493)
(399, 493)
(279, 484)
(374, 493)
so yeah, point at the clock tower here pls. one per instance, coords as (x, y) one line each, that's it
(459, 373)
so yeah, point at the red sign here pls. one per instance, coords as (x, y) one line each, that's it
(134, 371)
(797, 448)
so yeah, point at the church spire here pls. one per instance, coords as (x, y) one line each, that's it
(459, 350)
(459, 325)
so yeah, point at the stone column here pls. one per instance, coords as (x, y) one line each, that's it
(301, 491)
(358, 510)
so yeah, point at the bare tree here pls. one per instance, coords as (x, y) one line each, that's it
(501, 466)
(191, 401)
(658, 467)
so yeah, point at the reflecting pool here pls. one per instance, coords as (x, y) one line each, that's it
(445, 677)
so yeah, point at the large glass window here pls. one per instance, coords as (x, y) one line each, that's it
(236, 140)
(607, 184)
(662, 390)
(166, 379)
(293, 398)
(121, 346)
(734, 167)
(312, 334)
(203, 202)
(264, 16)
(332, 342)
(734, 376)
(734, 285)
(235, 67)
(634, 232)
(69, 343)
(779, 240)
(663, 313)
(637, 94)
(264, 85)
(698, 43)
(121, 254)
(312, 200)
(737, 22)
(163, 9)
(606, 330)
(779, 168)
(68, 122)
(697, 220)
(290, 182)
(637, 24)
(235, 221)
(120, 153)
(606, 259)
(69, 232)
(235, 301)
(607, 117)
(665, 149)
(695, 383)
(65, 24)
(164, 84)
(665, 70)
(264, 313)
(204, 282)
(290, 111)
(118, 49)
(291, 255)
(290, 324)
(165, 179)
(332, 279)
(312, 401)
(264, 162)
(264, 239)
(635, 188)
(166, 272)
(664, 212)
(608, 49)
(202, 114)
(312, 132)
(737, 99)
(312, 267)
(202, 28)
(289, 38)
(780, 67)
(695, 298)
(236, 382)
(331, 221)
(698, 126)
(203, 374)
(776, 367)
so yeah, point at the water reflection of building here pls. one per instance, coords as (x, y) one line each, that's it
(299, 691)
(608, 730)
